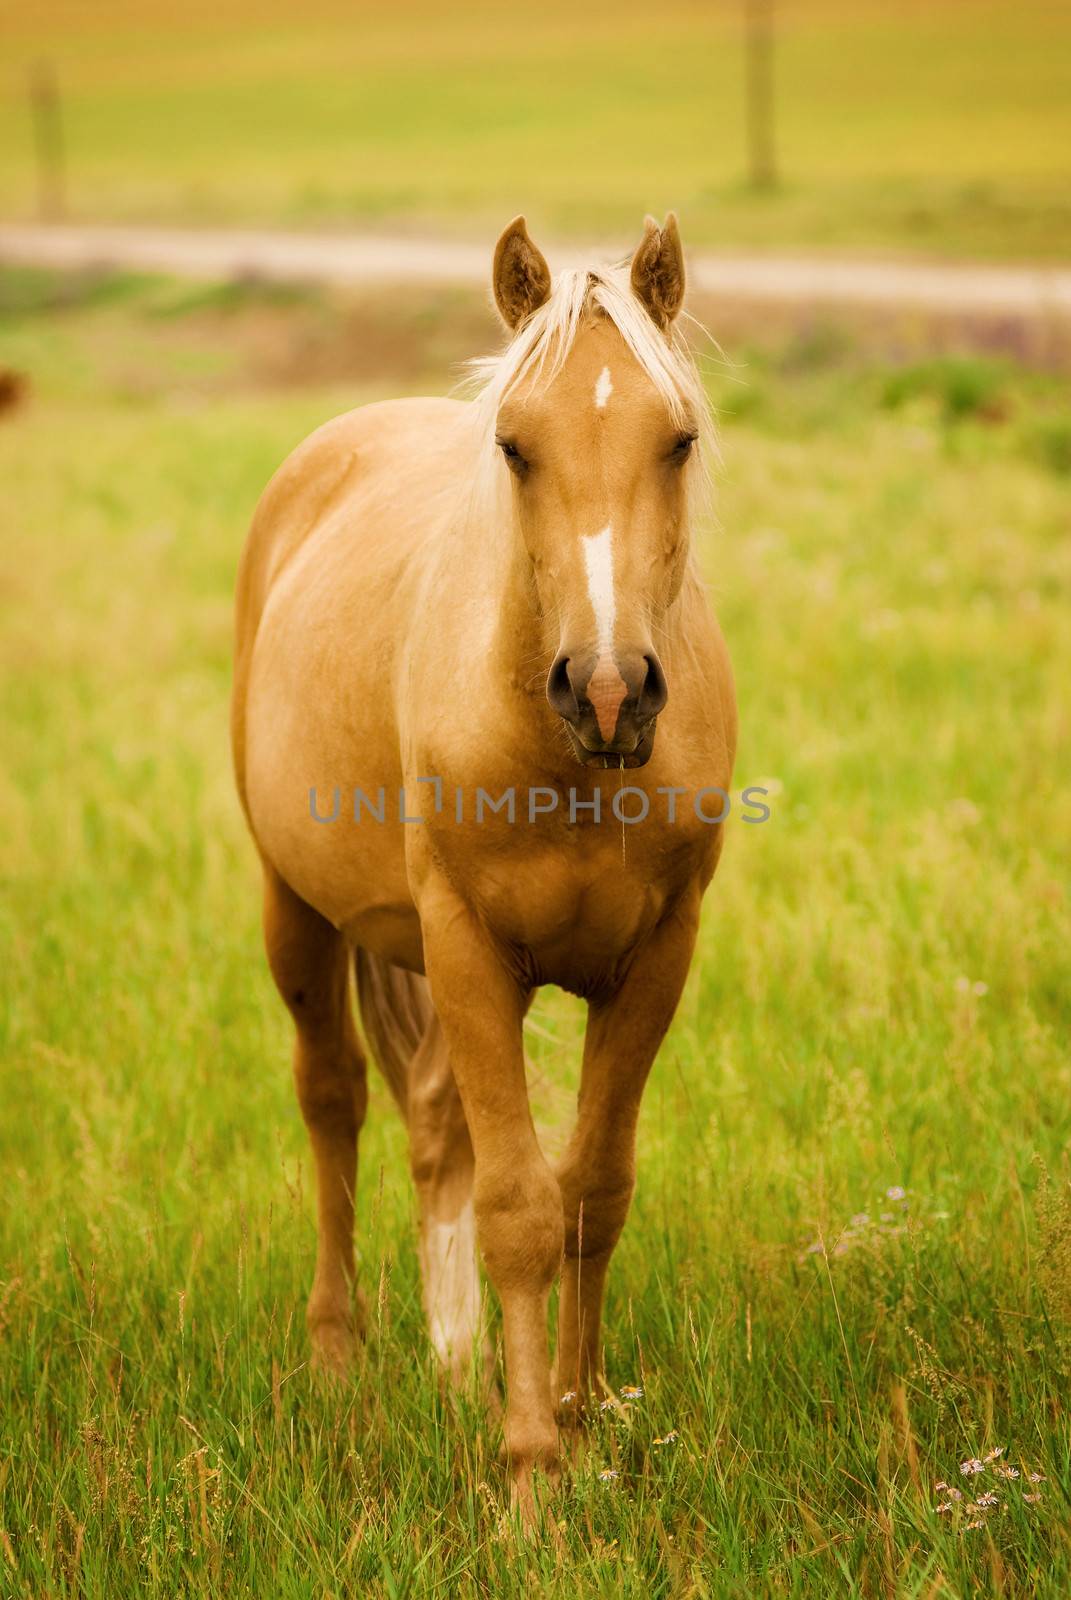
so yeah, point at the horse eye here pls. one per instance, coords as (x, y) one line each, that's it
(683, 447)
(514, 459)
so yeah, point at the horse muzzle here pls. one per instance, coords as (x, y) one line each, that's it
(610, 705)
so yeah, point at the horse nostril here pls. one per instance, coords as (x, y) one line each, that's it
(560, 691)
(654, 692)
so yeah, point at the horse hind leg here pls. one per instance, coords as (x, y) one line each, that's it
(443, 1170)
(403, 1031)
(310, 964)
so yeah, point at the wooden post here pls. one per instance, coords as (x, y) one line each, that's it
(759, 44)
(47, 115)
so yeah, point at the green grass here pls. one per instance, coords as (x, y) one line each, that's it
(941, 129)
(880, 1001)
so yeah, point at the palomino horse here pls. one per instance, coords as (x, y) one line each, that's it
(449, 603)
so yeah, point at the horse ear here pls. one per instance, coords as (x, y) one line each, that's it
(658, 270)
(521, 276)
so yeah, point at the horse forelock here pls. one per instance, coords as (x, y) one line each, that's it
(541, 346)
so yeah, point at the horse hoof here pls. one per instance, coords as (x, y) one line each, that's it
(532, 1491)
(334, 1347)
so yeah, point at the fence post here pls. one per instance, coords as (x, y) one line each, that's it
(46, 113)
(758, 46)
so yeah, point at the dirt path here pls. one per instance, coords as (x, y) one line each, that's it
(1020, 293)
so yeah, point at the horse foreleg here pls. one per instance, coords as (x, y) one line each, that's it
(517, 1202)
(598, 1170)
(310, 964)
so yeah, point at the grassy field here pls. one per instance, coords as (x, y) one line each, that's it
(848, 1268)
(941, 129)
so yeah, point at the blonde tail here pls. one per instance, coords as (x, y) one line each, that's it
(396, 1011)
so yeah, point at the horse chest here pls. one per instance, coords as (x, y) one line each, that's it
(572, 914)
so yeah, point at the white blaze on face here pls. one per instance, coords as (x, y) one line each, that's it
(606, 687)
(599, 561)
(603, 388)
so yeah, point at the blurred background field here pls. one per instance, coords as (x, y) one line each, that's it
(935, 128)
(848, 1269)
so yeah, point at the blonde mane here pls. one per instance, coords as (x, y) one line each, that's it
(541, 347)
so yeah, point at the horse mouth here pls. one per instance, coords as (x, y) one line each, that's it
(606, 758)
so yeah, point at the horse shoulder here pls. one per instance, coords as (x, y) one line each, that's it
(336, 459)
(352, 455)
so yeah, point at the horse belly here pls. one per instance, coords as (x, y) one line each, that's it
(352, 872)
(314, 759)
